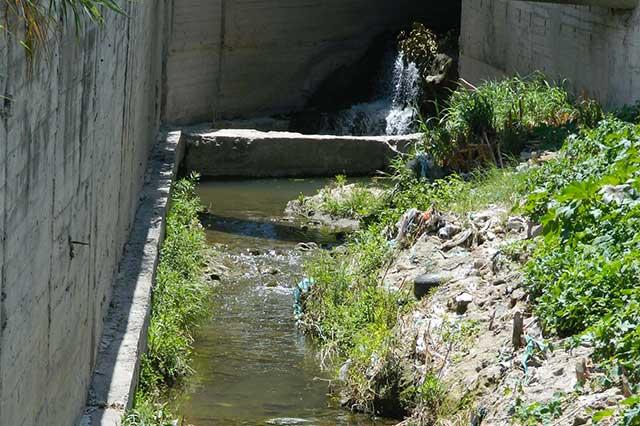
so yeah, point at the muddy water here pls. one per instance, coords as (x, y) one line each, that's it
(253, 367)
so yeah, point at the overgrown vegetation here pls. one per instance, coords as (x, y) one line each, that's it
(539, 413)
(582, 275)
(180, 303)
(584, 272)
(432, 55)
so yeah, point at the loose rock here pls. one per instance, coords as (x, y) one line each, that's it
(462, 303)
(518, 330)
(423, 284)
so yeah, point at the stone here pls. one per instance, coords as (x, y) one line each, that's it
(534, 231)
(558, 372)
(423, 284)
(582, 373)
(462, 303)
(517, 295)
(448, 231)
(306, 246)
(580, 420)
(518, 330)
(516, 224)
(627, 390)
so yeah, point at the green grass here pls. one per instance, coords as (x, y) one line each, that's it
(351, 202)
(358, 203)
(180, 302)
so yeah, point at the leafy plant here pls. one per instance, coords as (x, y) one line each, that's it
(583, 275)
(36, 19)
(539, 413)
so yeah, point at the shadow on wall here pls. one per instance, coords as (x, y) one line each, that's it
(235, 58)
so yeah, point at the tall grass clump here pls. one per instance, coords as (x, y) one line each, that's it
(354, 317)
(486, 123)
(180, 302)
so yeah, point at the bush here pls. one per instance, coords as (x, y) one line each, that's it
(499, 116)
(583, 275)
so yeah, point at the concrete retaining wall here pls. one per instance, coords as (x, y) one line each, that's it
(258, 57)
(250, 153)
(75, 134)
(124, 338)
(596, 49)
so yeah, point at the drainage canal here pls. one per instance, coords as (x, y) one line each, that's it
(252, 366)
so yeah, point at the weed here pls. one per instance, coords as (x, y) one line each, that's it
(629, 113)
(356, 203)
(538, 413)
(583, 275)
(147, 413)
(180, 302)
(340, 181)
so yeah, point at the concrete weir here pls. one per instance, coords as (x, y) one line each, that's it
(251, 153)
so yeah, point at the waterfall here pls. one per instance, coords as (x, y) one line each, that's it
(406, 90)
(392, 111)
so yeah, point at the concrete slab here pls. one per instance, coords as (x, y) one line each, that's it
(251, 153)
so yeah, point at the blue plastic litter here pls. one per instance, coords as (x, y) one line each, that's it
(301, 289)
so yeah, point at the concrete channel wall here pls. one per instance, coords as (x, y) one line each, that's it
(250, 153)
(76, 127)
(596, 49)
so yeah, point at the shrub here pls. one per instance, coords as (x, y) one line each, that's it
(583, 274)
(499, 116)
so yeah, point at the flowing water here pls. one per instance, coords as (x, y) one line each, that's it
(391, 113)
(253, 367)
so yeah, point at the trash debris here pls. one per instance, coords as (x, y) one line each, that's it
(299, 293)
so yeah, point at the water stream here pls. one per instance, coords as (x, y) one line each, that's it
(253, 367)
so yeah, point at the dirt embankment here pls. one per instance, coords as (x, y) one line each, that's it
(474, 325)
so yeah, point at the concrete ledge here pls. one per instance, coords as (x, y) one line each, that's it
(251, 153)
(124, 336)
(613, 4)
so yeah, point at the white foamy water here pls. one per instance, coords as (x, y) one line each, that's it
(392, 113)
